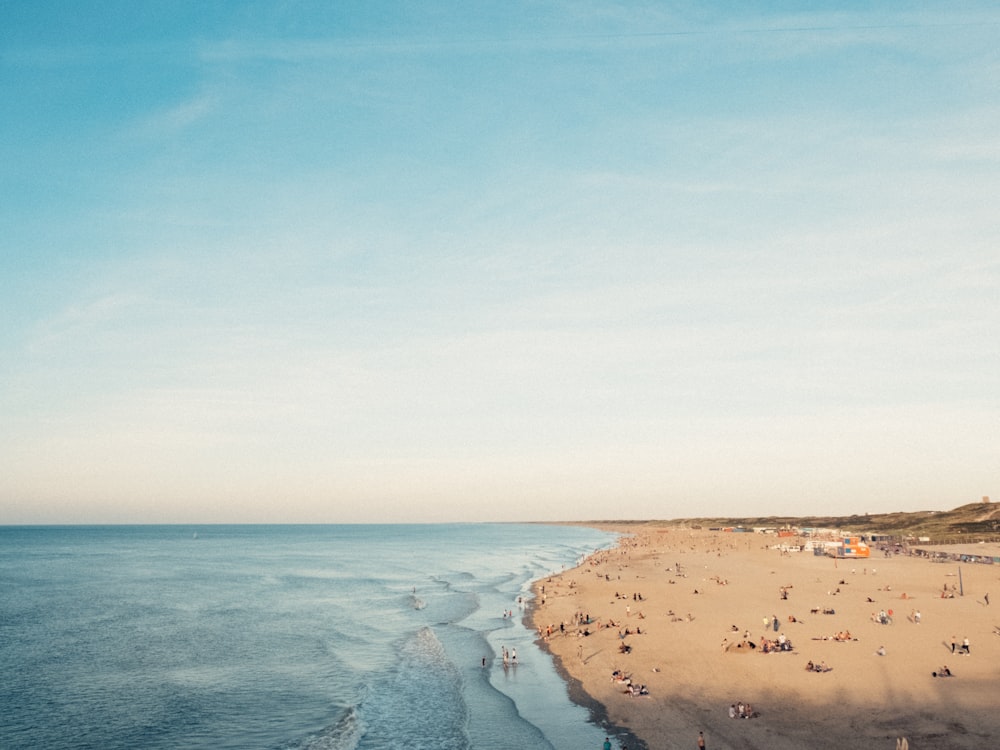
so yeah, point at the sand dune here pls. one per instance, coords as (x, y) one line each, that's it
(695, 594)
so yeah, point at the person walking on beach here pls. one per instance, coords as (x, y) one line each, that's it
(607, 744)
(701, 741)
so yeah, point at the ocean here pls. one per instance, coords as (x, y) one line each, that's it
(282, 637)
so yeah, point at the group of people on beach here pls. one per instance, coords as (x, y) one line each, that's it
(840, 635)
(584, 620)
(822, 610)
(883, 617)
(764, 645)
(821, 667)
(741, 710)
(625, 680)
(966, 648)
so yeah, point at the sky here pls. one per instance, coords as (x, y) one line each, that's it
(366, 262)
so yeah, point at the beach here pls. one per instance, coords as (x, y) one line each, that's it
(676, 610)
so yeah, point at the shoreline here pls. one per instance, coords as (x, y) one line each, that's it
(578, 694)
(694, 595)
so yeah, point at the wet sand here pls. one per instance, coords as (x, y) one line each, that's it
(689, 599)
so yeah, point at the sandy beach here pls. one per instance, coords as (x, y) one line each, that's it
(688, 604)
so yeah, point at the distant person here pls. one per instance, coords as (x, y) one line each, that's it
(607, 744)
(701, 741)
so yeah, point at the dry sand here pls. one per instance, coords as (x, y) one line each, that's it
(696, 585)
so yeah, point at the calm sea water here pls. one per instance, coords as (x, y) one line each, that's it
(281, 637)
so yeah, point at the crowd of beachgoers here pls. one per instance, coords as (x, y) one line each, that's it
(645, 612)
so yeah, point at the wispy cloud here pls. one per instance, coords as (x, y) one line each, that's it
(179, 115)
(83, 320)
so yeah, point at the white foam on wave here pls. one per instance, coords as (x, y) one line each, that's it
(419, 704)
(344, 734)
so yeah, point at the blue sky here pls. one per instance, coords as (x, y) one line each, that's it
(354, 262)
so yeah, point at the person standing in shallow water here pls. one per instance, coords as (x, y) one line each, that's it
(701, 741)
(607, 744)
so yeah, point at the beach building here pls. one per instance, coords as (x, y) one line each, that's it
(852, 547)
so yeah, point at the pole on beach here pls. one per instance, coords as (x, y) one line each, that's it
(961, 588)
